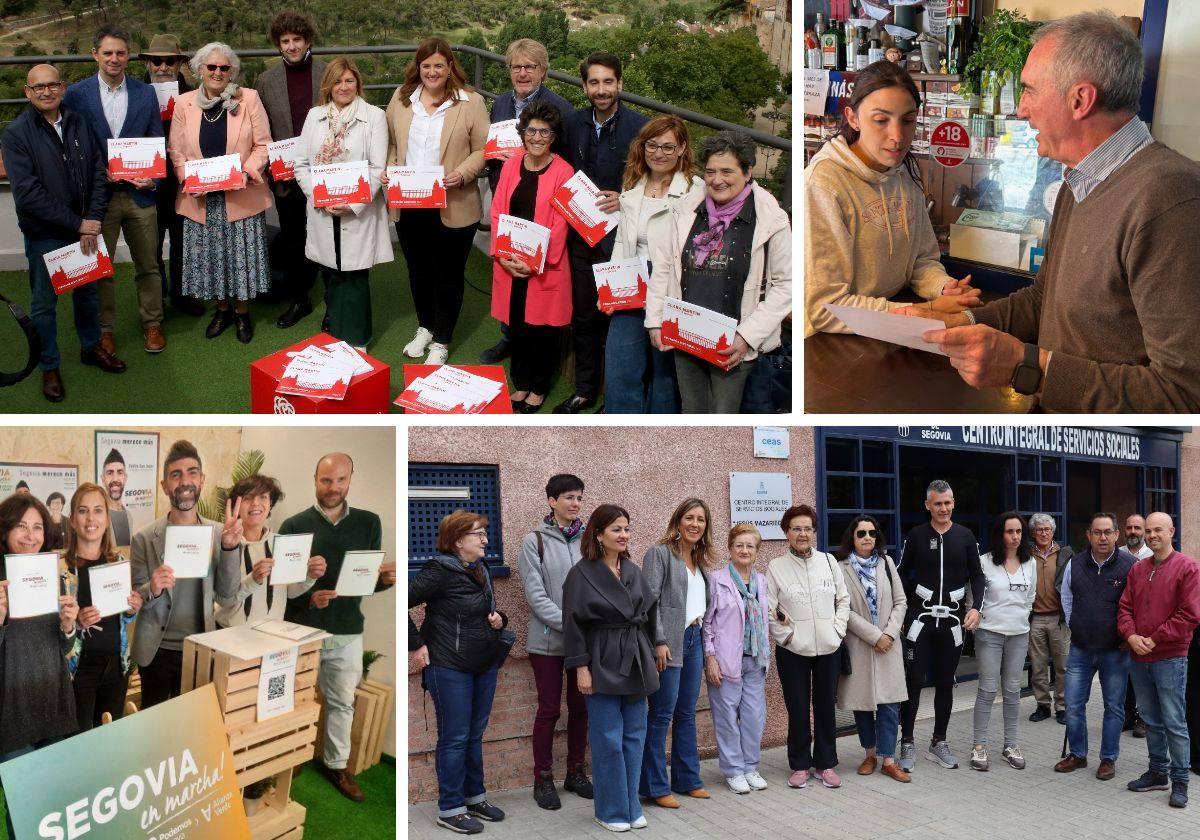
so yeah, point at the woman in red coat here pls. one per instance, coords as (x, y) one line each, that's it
(536, 307)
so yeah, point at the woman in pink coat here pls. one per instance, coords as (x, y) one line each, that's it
(536, 307)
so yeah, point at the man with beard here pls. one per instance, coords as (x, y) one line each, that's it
(337, 528)
(113, 478)
(175, 609)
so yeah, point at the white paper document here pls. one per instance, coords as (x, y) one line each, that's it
(111, 585)
(277, 683)
(189, 550)
(32, 584)
(905, 330)
(360, 572)
(290, 553)
(288, 630)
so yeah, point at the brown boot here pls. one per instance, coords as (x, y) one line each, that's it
(344, 782)
(1106, 770)
(1071, 762)
(868, 766)
(667, 801)
(107, 344)
(52, 386)
(155, 342)
(893, 771)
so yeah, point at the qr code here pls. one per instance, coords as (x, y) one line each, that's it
(276, 686)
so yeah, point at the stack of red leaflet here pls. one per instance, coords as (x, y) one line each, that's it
(320, 375)
(447, 389)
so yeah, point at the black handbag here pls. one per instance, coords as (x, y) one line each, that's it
(769, 385)
(31, 339)
(505, 638)
(845, 666)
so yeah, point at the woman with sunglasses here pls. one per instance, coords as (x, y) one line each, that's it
(1002, 639)
(875, 686)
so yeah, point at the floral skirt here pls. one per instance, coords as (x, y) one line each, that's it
(224, 259)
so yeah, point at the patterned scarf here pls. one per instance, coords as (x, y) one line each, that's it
(571, 531)
(866, 569)
(719, 219)
(337, 123)
(754, 639)
(230, 98)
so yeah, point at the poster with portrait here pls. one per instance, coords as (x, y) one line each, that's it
(42, 481)
(127, 469)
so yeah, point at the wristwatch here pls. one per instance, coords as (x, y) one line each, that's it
(1027, 376)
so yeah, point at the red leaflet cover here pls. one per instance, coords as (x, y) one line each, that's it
(416, 187)
(282, 156)
(213, 174)
(621, 284)
(298, 386)
(576, 200)
(697, 330)
(502, 137)
(341, 183)
(137, 157)
(69, 268)
(521, 240)
(166, 93)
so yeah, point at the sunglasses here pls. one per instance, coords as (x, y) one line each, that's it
(863, 532)
(224, 68)
(158, 60)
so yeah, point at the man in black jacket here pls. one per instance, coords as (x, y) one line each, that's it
(57, 172)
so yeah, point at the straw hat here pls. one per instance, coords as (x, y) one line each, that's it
(163, 46)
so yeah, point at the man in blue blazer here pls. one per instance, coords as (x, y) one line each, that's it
(115, 105)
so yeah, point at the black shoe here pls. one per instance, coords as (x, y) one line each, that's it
(101, 358)
(245, 327)
(1061, 716)
(462, 823)
(578, 783)
(1039, 714)
(530, 408)
(1139, 728)
(574, 405)
(1149, 781)
(187, 305)
(220, 322)
(1179, 794)
(497, 353)
(292, 315)
(545, 795)
(52, 386)
(486, 811)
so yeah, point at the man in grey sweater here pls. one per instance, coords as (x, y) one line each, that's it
(1108, 325)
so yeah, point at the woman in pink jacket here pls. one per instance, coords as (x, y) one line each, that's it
(536, 307)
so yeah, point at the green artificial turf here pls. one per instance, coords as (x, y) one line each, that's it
(196, 374)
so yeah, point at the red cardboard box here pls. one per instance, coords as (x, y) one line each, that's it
(369, 393)
(500, 405)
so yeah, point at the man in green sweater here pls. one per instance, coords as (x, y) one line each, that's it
(1109, 324)
(337, 528)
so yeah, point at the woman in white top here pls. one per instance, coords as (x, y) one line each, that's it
(659, 173)
(255, 599)
(675, 572)
(1002, 639)
(346, 239)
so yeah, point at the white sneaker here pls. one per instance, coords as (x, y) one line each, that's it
(438, 353)
(640, 822)
(737, 783)
(755, 781)
(612, 826)
(419, 342)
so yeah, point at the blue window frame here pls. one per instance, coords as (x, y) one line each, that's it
(1041, 488)
(860, 477)
(435, 490)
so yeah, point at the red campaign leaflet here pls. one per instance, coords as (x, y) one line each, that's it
(282, 155)
(69, 268)
(322, 372)
(576, 200)
(449, 390)
(697, 330)
(137, 157)
(213, 174)
(167, 93)
(416, 187)
(341, 183)
(522, 240)
(621, 284)
(502, 138)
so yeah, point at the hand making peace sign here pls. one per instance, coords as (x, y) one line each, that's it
(232, 531)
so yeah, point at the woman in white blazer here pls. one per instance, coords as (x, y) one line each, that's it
(346, 240)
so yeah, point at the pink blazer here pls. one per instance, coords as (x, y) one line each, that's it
(548, 302)
(249, 134)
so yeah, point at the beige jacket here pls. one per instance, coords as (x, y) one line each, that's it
(808, 602)
(658, 227)
(876, 677)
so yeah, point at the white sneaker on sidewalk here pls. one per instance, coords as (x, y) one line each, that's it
(755, 781)
(438, 353)
(640, 822)
(419, 342)
(612, 826)
(737, 783)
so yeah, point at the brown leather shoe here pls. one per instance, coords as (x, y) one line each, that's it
(1106, 770)
(894, 771)
(1070, 763)
(868, 766)
(155, 342)
(699, 793)
(344, 782)
(107, 344)
(52, 386)
(667, 801)
(99, 357)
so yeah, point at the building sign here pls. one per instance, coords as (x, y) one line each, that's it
(771, 442)
(760, 499)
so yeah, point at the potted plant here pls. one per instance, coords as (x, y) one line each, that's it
(1005, 40)
(248, 464)
(369, 657)
(253, 793)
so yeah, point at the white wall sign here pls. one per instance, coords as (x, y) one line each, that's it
(771, 442)
(760, 499)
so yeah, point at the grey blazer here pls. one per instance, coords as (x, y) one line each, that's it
(271, 85)
(146, 555)
(667, 576)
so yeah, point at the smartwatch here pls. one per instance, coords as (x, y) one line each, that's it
(1027, 376)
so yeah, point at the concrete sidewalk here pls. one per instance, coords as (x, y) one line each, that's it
(961, 804)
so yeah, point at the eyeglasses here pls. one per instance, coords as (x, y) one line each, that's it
(481, 534)
(158, 60)
(522, 68)
(213, 68)
(45, 87)
(666, 148)
(539, 132)
(1108, 533)
(802, 529)
(863, 532)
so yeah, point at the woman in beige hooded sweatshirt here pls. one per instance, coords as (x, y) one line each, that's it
(867, 234)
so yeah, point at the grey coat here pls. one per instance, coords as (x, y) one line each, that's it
(667, 576)
(146, 555)
(876, 677)
(543, 579)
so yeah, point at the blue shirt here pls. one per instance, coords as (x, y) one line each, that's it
(1107, 158)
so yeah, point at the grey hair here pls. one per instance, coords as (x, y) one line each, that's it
(1096, 47)
(736, 143)
(1040, 519)
(937, 486)
(202, 54)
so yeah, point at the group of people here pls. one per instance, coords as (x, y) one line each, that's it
(712, 236)
(65, 673)
(852, 630)
(869, 238)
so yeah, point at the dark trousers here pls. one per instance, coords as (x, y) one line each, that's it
(298, 271)
(43, 302)
(1193, 700)
(169, 222)
(548, 676)
(161, 678)
(100, 685)
(1131, 712)
(534, 347)
(589, 326)
(347, 297)
(805, 680)
(437, 262)
(934, 647)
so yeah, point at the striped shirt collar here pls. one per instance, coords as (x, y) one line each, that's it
(1107, 158)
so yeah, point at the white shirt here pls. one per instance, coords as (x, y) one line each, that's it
(58, 125)
(695, 598)
(650, 206)
(425, 133)
(115, 102)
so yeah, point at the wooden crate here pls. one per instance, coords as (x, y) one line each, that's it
(279, 818)
(374, 703)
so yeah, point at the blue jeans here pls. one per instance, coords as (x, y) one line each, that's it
(617, 732)
(674, 702)
(878, 729)
(462, 702)
(637, 378)
(44, 301)
(1082, 666)
(1162, 702)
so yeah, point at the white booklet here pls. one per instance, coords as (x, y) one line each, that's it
(111, 585)
(189, 550)
(360, 572)
(32, 584)
(288, 630)
(290, 553)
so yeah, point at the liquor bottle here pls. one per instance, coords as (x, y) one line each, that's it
(819, 26)
(953, 45)
(829, 47)
(875, 53)
(851, 47)
(862, 57)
